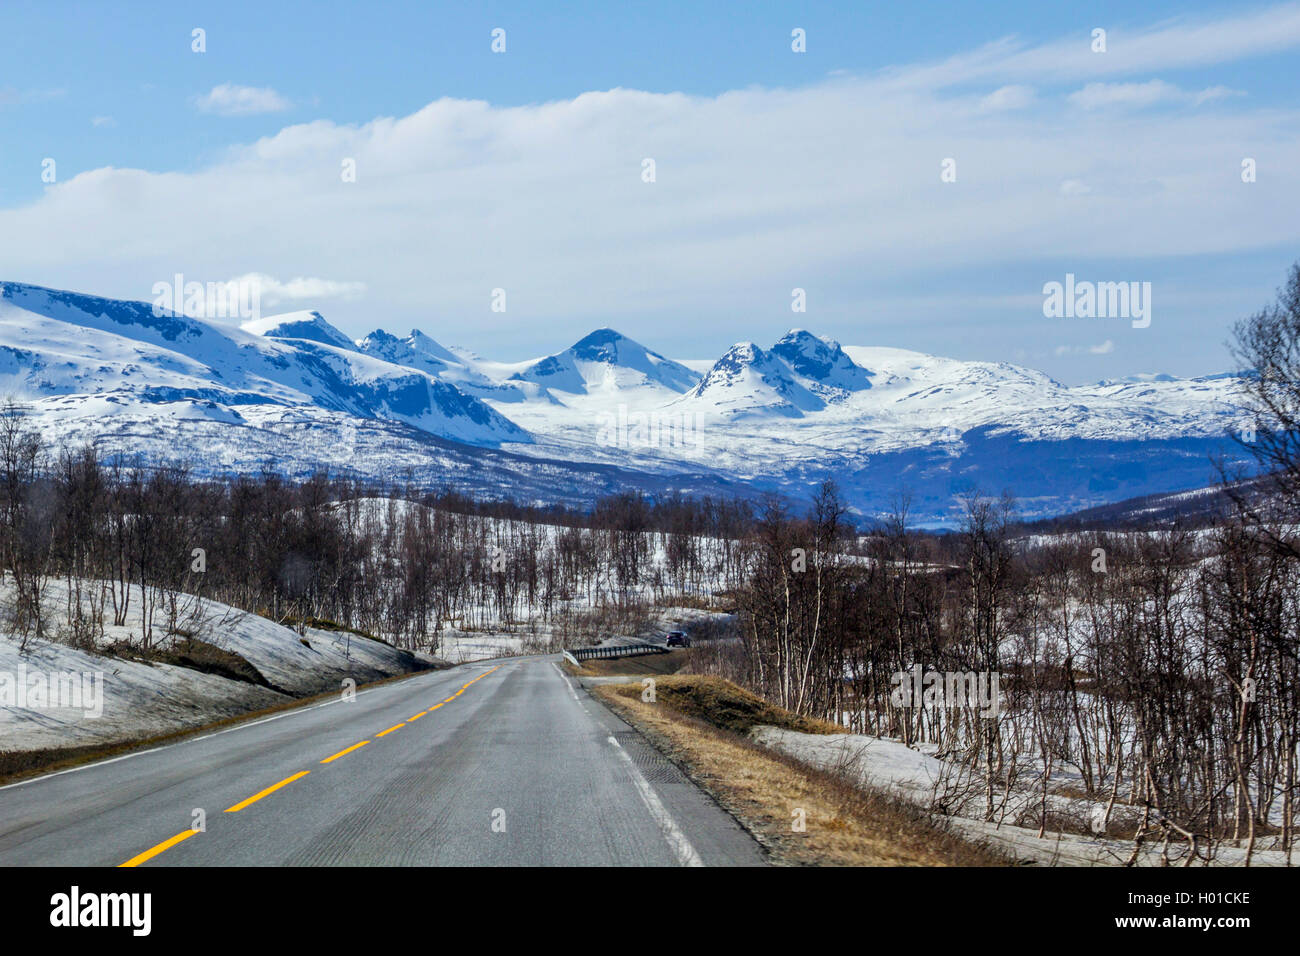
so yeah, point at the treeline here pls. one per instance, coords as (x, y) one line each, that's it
(1153, 674)
(144, 544)
(1143, 683)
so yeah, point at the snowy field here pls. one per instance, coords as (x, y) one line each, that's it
(110, 697)
(917, 776)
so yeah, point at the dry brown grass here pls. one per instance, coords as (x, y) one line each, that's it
(727, 706)
(722, 603)
(187, 651)
(845, 824)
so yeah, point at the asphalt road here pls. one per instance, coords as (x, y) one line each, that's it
(494, 764)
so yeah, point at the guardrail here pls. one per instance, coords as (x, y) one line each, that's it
(615, 650)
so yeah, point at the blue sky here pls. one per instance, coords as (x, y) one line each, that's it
(775, 170)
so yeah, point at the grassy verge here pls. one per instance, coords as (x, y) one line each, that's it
(197, 655)
(651, 665)
(699, 722)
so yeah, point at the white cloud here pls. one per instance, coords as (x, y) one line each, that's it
(1097, 95)
(1176, 44)
(1013, 97)
(103, 122)
(1105, 348)
(834, 188)
(1214, 93)
(1102, 95)
(227, 99)
(301, 289)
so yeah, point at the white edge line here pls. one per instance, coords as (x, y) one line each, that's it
(573, 693)
(676, 839)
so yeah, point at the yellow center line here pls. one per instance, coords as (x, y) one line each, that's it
(269, 790)
(167, 844)
(465, 687)
(164, 845)
(344, 753)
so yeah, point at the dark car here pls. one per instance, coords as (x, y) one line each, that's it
(678, 639)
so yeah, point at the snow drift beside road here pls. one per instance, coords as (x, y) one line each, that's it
(141, 698)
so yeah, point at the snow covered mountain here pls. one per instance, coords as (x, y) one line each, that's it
(78, 356)
(607, 361)
(418, 351)
(309, 326)
(882, 420)
(801, 373)
(821, 364)
(607, 413)
(748, 381)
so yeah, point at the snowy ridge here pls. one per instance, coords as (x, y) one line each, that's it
(293, 389)
(748, 381)
(606, 360)
(60, 350)
(310, 326)
(419, 351)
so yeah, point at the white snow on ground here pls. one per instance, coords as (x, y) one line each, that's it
(138, 699)
(912, 774)
(457, 647)
(145, 698)
(388, 513)
(141, 698)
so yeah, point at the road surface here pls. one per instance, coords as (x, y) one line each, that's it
(491, 764)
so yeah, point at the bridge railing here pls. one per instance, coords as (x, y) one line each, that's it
(614, 650)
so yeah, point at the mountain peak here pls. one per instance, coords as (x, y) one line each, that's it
(415, 350)
(379, 336)
(742, 353)
(607, 359)
(309, 325)
(821, 360)
(74, 349)
(602, 345)
(748, 380)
